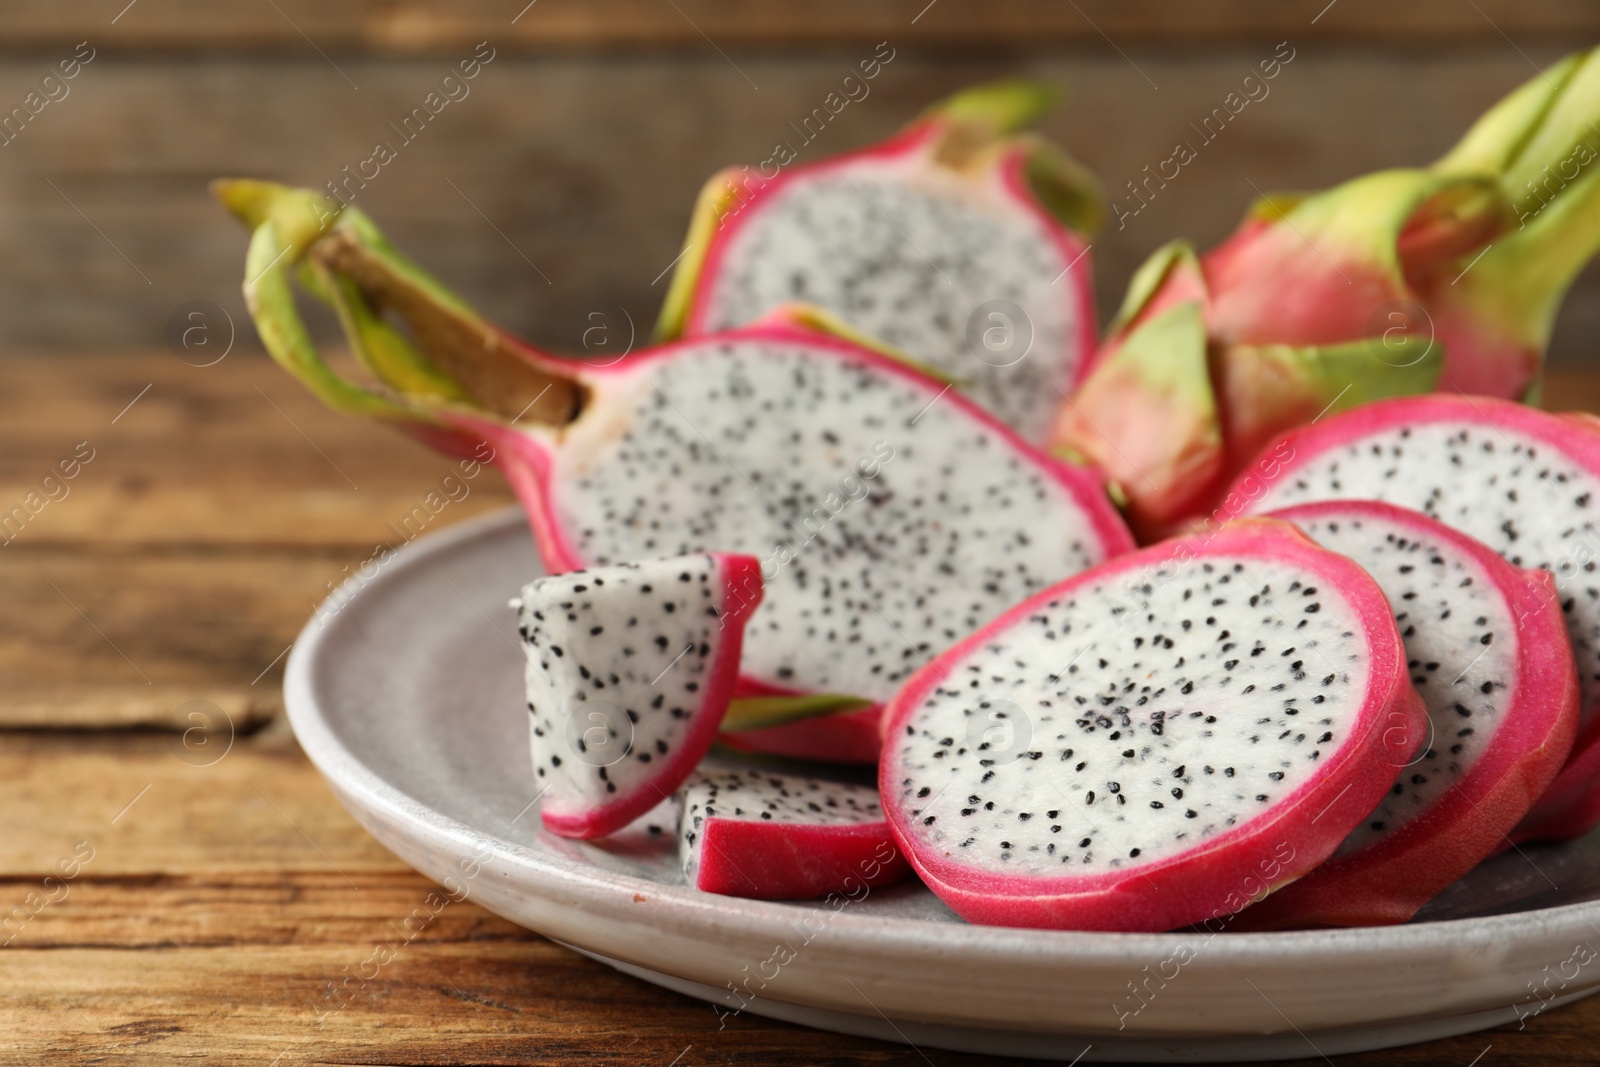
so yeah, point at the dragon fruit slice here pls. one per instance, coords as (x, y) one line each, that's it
(1156, 741)
(780, 837)
(1524, 482)
(630, 669)
(957, 241)
(1488, 654)
(1391, 284)
(890, 514)
(1571, 806)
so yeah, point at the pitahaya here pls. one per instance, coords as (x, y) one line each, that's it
(1525, 483)
(891, 515)
(1391, 284)
(1494, 310)
(957, 241)
(781, 837)
(630, 670)
(1488, 654)
(1156, 741)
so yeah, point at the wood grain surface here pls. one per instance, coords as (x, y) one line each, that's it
(417, 26)
(560, 186)
(223, 903)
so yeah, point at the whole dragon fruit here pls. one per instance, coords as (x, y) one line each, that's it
(1524, 482)
(1156, 741)
(1394, 283)
(1488, 654)
(890, 514)
(957, 241)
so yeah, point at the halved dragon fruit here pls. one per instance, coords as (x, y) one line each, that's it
(630, 670)
(890, 514)
(1157, 741)
(957, 241)
(1524, 482)
(1488, 654)
(781, 837)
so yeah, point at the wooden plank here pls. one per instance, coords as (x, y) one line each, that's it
(148, 806)
(584, 169)
(513, 1003)
(414, 26)
(236, 454)
(116, 639)
(214, 920)
(216, 909)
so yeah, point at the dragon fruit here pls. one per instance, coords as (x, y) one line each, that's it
(1156, 741)
(1391, 284)
(1488, 654)
(890, 514)
(1524, 482)
(1494, 309)
(958, 241)
(630, 669)
(780, 837)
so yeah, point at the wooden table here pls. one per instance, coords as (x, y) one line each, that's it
(219, 888)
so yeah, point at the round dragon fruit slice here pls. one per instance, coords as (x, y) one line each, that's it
(1523, 481)
(629, 671)
(781, 837)
(1156, 741)
(1488, 654)
(956, 241)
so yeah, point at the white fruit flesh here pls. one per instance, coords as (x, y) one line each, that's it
(906, 252)
(1133, 719)
(1520, 497)
(618, 663)
(890, 520)
(1460, 640)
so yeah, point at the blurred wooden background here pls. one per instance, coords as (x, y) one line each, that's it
(580, 147)
(222, 502)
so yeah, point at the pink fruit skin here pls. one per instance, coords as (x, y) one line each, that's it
(1572, 804)
(1570, 807)
(1268, 289)
(1577, 435)
(1194, 886)
(915, 139)
(1479, 358)
(789, 861)
(843, 737)
(597, 821)
(525, 456)
(1390, 880)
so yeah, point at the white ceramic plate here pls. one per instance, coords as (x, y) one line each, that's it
(405, 691)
